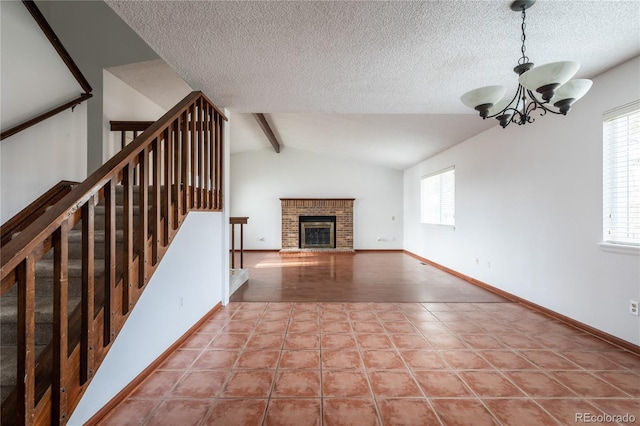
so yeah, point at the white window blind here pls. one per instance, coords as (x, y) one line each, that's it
(621, 175)
(438, 197)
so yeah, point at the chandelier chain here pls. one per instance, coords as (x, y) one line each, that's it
(524, 58)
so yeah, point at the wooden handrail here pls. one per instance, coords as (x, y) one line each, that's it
(125, 127)
(57, 44)
(32, 122)
(14, 252)
(27, 215)
(68, 61)
(179, 165)
(129, 126)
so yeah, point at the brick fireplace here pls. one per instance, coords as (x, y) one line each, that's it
(293, 209)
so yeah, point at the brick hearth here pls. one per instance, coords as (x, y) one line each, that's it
(341, 208)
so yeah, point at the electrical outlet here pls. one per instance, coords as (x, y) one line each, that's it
(633, 307)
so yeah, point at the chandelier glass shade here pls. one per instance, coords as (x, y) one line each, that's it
(547, 88)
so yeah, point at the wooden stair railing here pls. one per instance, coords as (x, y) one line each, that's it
(179, 160)
(21, 220)
(129, 131)
(129, 127)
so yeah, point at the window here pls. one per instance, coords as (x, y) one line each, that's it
(621, 175)
(438, 197)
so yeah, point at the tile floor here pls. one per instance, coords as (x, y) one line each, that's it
(386, 363)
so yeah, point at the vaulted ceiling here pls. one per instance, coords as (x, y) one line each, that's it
(374, 80)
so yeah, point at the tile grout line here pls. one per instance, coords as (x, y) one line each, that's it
(184, 374)
(364, 367)
(473, 346)
(456, 371)
(275, 373)
(412, 374)
(545, 372)
(224, 383)
(319, 324)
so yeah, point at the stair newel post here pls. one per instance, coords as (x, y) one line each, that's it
(109, 261)
(206, 154)
(184, 157)
(26, 383)
(60, 322)
(143, 216)
(157, 198)
(220, 162)
(88, 290)
(127, 182)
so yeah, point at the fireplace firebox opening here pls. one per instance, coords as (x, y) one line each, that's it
(317, 232)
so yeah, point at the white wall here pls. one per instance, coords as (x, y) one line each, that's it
(35, 159)
(187, 284)
(96, 38)
(529, 207)
(27, 91)
(122, 102)
(260, 178)
(39, 157)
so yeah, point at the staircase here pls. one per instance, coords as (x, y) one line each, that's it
(44, 297)
(71, 278)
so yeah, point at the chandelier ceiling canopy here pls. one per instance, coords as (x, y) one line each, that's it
(547, 88)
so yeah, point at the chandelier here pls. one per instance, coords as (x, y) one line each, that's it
(555, 92)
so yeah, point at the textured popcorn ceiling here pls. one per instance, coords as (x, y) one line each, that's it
(156, 79)
(340, 76)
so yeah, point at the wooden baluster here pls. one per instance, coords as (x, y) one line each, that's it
(143, 216)
(109, 261)
(123, 139)
(156, 213)
(233, 245)
(201, 181)
(216, 161)
(177, 175)
(136, 171)
(88, 290)
(60, 322)
(192, 157)
(206, 155)
(167, 196)
(185, 165)
(26, 385)
(241, 245)
(127, 246)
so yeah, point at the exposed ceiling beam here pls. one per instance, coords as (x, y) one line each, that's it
(267, 131)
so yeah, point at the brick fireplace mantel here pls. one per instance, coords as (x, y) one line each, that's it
(293, 208)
